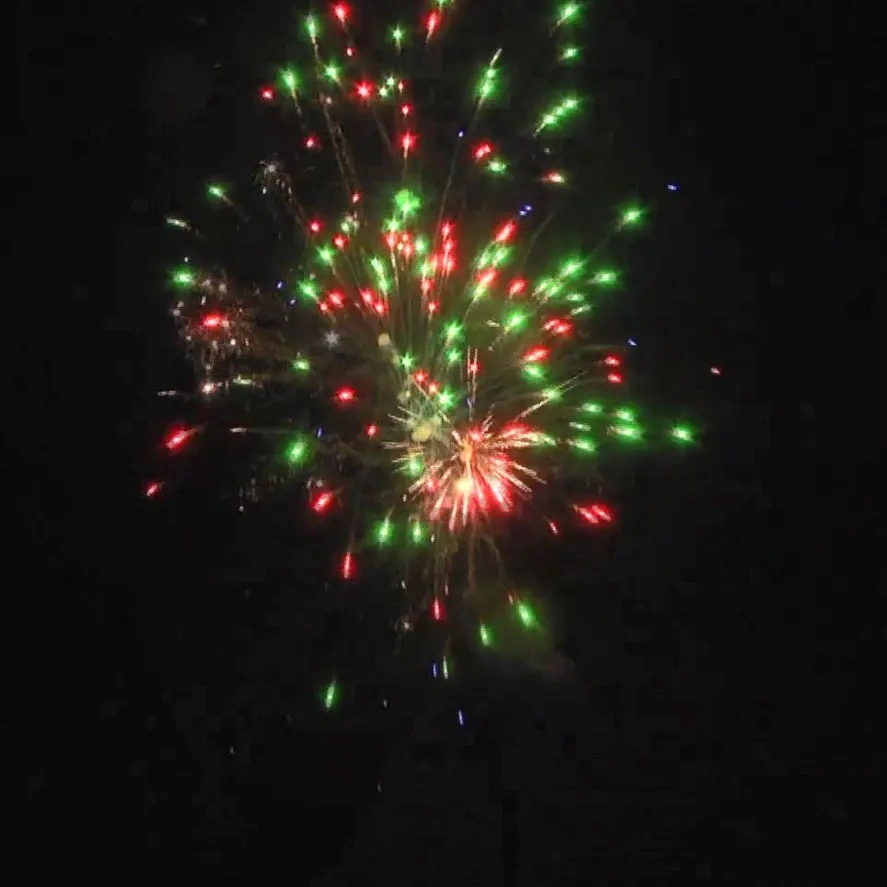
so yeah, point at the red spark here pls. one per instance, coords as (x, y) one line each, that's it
(483, 150)
(348, 566)
(365, 89)
(336, 298)
(355, 197)
(595, 514)
(505, 232)
(345, 395)
(267, 93)
(436, 610)
(340, 241)
(553, 527)
(406, 110)
(315, 226)
(368, 296)
(153, 489)
(603, 512)
(615, 378)
(612, 361)
(446, 229)
(558, 326)
(432, 22)
(433, 306)
(372, 430)
(517, 287)
(473, 367)
(487, 277)
(421, 377)
(534, 355)
(212, 321)
(341, 12)
(433, 387)
(311, 142)
(321, 502)
(177, 438)
(715, 371)
(407, 140)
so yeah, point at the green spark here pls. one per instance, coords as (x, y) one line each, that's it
(309, 289)
(583, 444)
(183, 278)
(629, 432)
(407, 202)
(297, 452)
(515, 320)
(526, 615)
(289, 79)
(567, 13)
(383, 532)
(446, 397)
(605, 278)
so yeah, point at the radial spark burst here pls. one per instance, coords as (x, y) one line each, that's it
(453, 345)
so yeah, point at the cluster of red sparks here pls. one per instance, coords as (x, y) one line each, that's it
(478, 475)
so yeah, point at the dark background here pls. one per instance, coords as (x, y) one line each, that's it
(719, 725)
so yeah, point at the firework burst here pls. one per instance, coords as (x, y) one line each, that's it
(454, 355)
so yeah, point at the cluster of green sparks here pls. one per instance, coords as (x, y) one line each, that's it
(470, 384)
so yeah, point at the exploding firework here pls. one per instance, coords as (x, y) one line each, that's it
(456, 356)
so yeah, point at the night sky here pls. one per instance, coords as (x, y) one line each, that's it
(697, 716)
